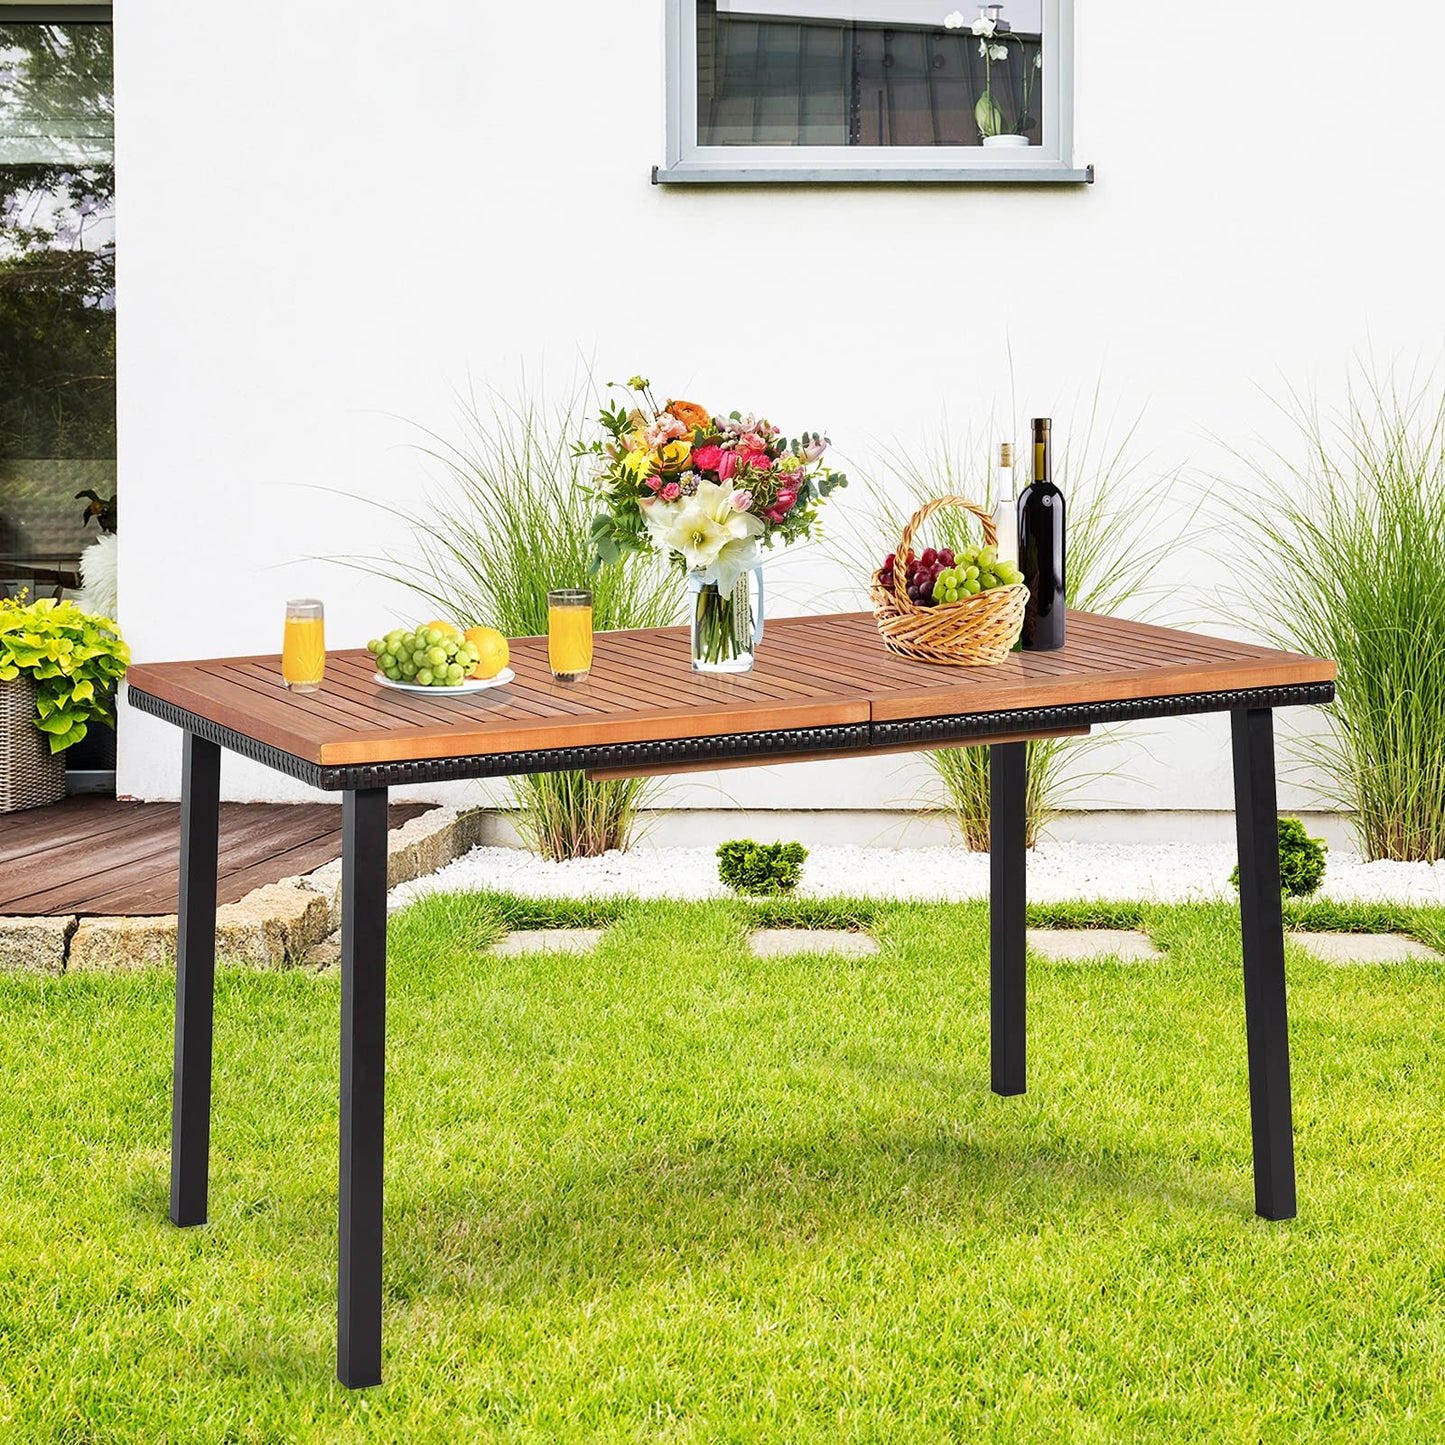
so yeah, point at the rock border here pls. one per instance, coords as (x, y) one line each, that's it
(273, 926)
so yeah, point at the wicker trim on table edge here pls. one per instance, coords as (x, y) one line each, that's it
(962, 727)
(980, 725)
(347, 776)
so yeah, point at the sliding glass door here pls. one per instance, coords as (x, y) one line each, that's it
(57, 293)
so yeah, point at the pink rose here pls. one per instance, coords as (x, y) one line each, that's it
(654, 482)
(664, 430)
(671, 492)
(727, 464)
(706, 458)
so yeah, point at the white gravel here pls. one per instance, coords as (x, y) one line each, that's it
(1164, 873)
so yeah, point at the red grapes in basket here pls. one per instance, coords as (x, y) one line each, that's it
(938, 576)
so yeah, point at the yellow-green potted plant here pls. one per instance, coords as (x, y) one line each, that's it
(59, 667)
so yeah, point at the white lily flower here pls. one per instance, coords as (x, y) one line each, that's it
(998, 52)
(730, 564)
(700, 528)
(954, 21)
(983, 26)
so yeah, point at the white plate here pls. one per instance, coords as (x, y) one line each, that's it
(476, 684)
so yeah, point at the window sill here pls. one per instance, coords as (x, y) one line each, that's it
(1050, 173)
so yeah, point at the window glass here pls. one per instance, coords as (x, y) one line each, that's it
(885, 73)
(57, 299)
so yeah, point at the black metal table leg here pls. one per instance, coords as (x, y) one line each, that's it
(1008, 783)
(363, 1049)
(195, 980)
(1261, 920)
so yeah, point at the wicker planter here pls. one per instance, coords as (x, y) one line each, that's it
(30, 774)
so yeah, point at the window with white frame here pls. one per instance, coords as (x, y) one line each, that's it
(869, 90)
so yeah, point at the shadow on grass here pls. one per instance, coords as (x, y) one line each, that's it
(709, 1206)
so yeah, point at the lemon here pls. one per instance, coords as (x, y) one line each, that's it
(492, 651)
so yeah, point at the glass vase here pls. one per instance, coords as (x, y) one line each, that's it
(725, 628)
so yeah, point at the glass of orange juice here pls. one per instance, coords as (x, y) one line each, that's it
(569, 633)
(303, 649)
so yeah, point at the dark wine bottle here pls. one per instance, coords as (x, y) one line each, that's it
(1041, 549)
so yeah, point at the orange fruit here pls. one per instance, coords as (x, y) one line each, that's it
(447, 629)
(493, 653)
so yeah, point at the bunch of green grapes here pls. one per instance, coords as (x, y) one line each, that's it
(976, 570)
(428, 656)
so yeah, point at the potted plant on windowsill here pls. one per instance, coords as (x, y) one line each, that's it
(993, 37)
(58, 670)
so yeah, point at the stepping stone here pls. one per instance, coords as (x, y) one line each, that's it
(778, 942)
(1363, 947)
(547, 940)
(1075, 943)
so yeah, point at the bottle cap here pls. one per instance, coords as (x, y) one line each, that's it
(1042, 426)
(1006, 454)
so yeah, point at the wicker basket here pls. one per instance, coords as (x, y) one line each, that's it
(977, 631)
(30, 774)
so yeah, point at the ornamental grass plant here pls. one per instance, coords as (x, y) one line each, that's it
(1117, 533)
(1350, 529)
(511, 524)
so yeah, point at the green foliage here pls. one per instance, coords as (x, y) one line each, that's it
(760, 868)
(73, 658)
(57, 261)
(513, 522)
(1301, 860)
(1078, 914)
(1349, 535)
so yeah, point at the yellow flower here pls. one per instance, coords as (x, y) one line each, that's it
(674, 456)
(638, 461)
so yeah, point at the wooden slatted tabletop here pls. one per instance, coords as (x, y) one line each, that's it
(811, 672)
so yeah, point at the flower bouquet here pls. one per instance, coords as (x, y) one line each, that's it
(705, 493)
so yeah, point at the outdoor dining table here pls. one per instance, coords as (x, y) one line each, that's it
(822, 688)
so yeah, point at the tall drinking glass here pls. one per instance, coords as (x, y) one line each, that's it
(569, 633)
(303, 649)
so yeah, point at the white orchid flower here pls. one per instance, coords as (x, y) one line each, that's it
(998, 52)
(1039, 61)
(983, 48)
(954, 21)
(982, 26)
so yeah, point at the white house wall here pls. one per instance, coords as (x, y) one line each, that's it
(335, 216)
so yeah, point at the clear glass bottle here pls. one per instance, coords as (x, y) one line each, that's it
(1006, 506)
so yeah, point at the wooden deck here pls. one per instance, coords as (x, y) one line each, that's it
(96, 856)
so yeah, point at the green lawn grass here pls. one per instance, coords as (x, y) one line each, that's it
(673, 1192)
